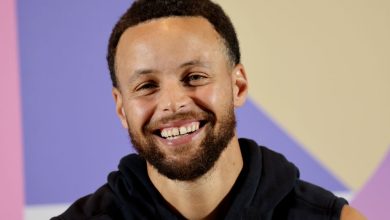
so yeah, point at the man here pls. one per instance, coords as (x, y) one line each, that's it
(177, 77)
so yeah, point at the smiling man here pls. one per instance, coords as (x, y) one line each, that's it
(177, 78)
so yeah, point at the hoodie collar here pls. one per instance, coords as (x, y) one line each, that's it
(266, 178)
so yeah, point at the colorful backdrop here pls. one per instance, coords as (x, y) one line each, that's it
(319, 76)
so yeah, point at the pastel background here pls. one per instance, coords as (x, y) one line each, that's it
(319, 76)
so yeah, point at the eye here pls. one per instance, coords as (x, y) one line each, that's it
(195, 79)
(146, 88)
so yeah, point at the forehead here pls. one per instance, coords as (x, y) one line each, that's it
(185, 23)
(169, 40)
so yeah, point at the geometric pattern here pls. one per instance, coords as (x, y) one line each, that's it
(372, 200)
(71, 137)
(255, 124)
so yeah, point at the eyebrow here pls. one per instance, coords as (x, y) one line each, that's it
(140, 72)
(196, 62)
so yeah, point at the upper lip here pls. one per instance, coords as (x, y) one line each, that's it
(176, 123)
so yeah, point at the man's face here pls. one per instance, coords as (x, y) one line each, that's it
(176, 94)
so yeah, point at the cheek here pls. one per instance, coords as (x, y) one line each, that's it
(216, 96)
(139, 112)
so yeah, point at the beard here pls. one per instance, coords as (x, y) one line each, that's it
(195, 164)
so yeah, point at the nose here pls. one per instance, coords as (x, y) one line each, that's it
(173, 98)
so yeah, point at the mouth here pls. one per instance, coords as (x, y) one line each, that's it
(178, 131)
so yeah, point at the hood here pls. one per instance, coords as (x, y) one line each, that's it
(267, 177)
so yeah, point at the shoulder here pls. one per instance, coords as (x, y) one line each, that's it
(308, 201)
(126, 195)
(99, 205)
(350, 213)
(280, 186)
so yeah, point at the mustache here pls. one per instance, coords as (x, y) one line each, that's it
(200, 116)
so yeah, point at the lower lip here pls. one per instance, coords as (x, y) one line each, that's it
(185, 139)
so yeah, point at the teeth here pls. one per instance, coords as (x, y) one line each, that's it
(172, 138)
(164, 133)
(183, 130)
(175, 132)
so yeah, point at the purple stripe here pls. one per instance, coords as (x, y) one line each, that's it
(255, 124)
(72, 136)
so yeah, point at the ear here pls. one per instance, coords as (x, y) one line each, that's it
(119, 107)
(240, 85)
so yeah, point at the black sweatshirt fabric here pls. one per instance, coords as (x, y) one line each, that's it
(268, 188)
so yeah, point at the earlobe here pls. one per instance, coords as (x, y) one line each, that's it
(240, 85)
(119, 109)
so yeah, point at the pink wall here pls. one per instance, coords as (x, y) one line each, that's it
(11, 166)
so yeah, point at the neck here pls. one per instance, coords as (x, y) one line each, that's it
(204, 197)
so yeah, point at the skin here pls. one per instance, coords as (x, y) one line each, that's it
(349, 213)
(172, 65)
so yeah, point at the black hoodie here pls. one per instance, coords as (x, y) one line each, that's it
(268, 187)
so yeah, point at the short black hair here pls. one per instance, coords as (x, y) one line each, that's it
(145, 10)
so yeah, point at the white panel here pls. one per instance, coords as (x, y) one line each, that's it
(39, 212)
